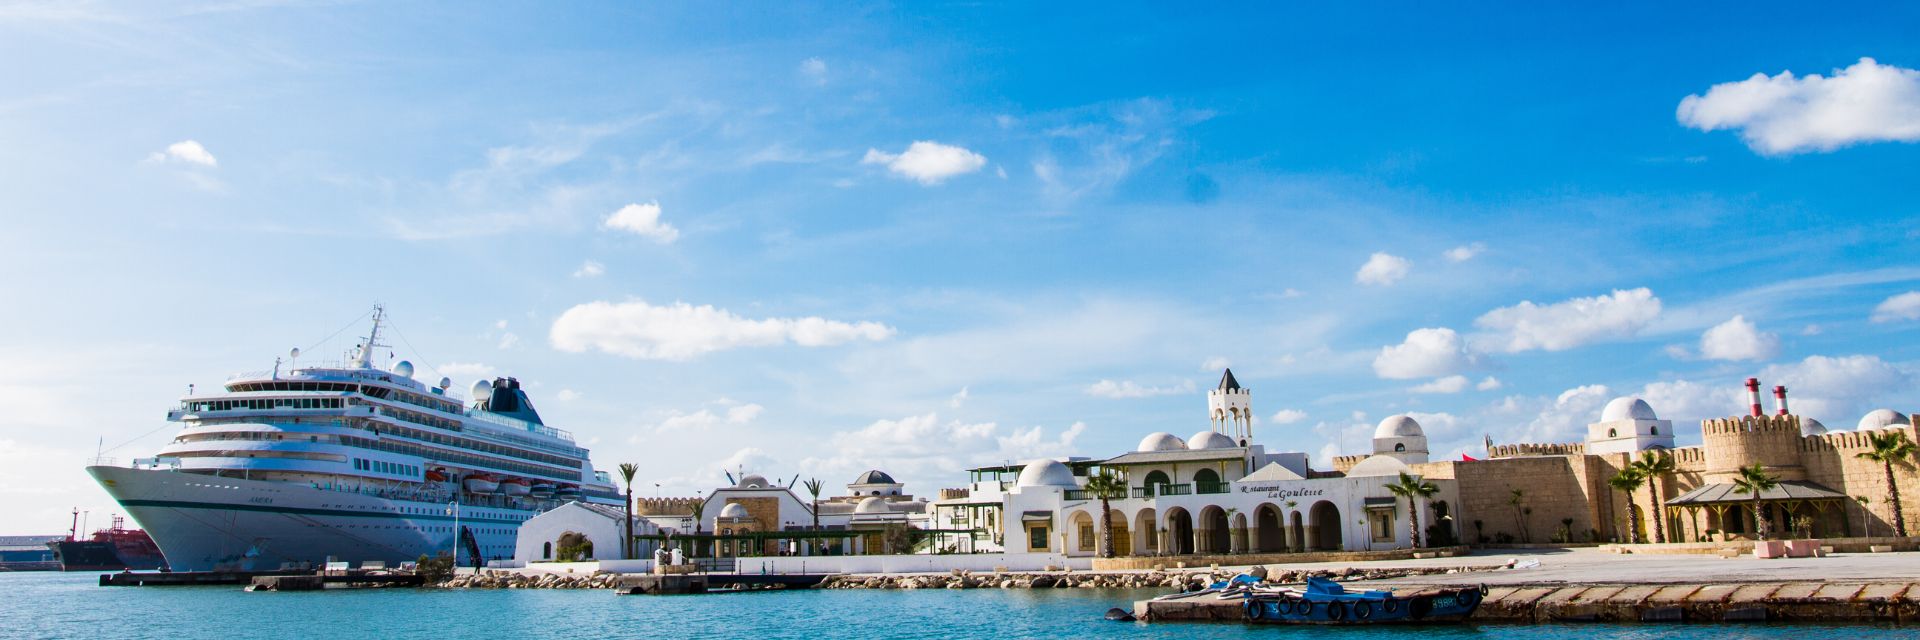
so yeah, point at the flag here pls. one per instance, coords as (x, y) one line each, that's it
(1468, 458)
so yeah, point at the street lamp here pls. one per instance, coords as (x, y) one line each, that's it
(453, 509)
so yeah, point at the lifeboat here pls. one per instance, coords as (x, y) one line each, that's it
(481, 483)
(567, 492)
(542, 490)
(436, 475)
(516, 486)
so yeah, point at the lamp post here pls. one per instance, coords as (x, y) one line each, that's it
(453, 509)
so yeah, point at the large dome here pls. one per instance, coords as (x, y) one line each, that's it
(1378, 465)
(873, 504)
(1882, 418)
(1161, 441)
(733, 510)
(875, 476)
(1210, 440)
(754, 481)
(1400, 426)
(1047, 473)
(1627, 409)
(1811, 427)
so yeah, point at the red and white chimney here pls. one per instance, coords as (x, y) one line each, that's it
(1780, 399)
(1753, 396)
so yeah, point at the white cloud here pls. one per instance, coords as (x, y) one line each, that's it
(1216, 363)
(1465, 252)
(1905, 306)
(643, 220)
(1784, 114)
(681, 331)
(590, 269)
(1287, 416)
(1449, 384)
(706, 418)
(815, 70)
(567, 395)
(508, 340)
(1489, 384)
(185, 151)
(1686, 402)
(1566, 419)
(1738, 339)
(924, 446)
(459, 370)
(744, 413)
(1131, 389)
(1383, 269)
(1426, 353)
(1837, 390)
(927, 162)
(1565, 325)
(959, 398)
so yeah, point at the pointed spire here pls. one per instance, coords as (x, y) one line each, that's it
(1227, 381)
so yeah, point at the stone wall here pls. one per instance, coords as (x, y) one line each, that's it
(1532, 450)
(663, 506)
(1831, 460)
(1555, 487)
(1735, 442)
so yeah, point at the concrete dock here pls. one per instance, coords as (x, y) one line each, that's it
(1880, 602)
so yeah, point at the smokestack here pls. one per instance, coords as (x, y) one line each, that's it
(1780, 399)
(1753, 396)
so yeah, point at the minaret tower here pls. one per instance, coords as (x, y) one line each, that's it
(1231, 408)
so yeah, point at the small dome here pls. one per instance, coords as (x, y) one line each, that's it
(875, 476)
(733, 510)
(1161, 441)
(1811, 427)
(874, 504)
(1625, 408)
(1210, 440)
(1881, 419)
(1378, 465)
(754, 481)
(1047, 473)
(1399, 426)
(403, 369)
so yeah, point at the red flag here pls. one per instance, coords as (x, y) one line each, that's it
(1468, 458)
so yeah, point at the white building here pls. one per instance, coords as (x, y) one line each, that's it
(579, 531)
(1214, 493)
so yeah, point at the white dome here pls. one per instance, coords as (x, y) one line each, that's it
(1161, 441)
(1399, 426)
(1881, 419)
(1378, 465)
(403, 369)
(1210, 440)
(873, 504)
(755, 481)
(733, 510)
(1047, 473)
(1811, 427)
(1626, 408)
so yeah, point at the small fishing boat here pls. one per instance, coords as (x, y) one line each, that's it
(1326, 602)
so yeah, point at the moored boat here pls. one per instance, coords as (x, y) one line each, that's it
(1324, 601)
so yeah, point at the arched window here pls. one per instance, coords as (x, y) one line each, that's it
(1656, 431)
(546, 551)
(1612, 433)
(1157, 478)
(1206, 477)
(1399, 447)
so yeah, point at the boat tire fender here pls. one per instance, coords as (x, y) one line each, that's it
(1336, 610)
(1390, 605)
(1363, 610)
(1255, 609)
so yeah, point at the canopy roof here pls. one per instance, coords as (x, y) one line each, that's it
(1787, 490)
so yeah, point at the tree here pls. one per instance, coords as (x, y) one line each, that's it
(1518, 499)
(813, 488)
(699, 506)
(627, 471)
(1866, 517)
(1106, 486)
(1629, 481)
(1890, 448)
(1653, 464)
(1754, 479)
(1413, 489)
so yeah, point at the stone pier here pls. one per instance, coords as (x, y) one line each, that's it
(1876, 602)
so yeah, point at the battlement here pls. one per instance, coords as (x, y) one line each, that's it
(1342, 464)
(1529, 450)
(663, 506)
(955, 494)
(1751, 424)
(1838, 441)
(1773, 442)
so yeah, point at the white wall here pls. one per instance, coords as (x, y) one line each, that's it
(918, 563)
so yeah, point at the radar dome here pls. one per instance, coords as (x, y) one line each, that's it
(1210, 440)
(446, 382)
(1627, 409)
(1047, 473)
(403, 369)
(481, 390)
(1161, 441)
(1400, 426)
(754, 481)
(1881, 419)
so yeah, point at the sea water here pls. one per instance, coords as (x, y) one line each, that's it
(72, 605)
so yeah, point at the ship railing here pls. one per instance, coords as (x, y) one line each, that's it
(108, 461)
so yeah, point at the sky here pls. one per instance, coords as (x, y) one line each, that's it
(808, 240)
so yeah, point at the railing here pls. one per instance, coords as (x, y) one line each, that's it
(1079, 494)
(1143, 492)
(1176, 489)
(1210, 487)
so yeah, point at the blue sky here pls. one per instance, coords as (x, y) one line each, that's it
(820, 239)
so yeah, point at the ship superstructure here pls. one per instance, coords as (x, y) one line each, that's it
(350, 462)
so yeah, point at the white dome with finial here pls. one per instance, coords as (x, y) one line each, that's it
(1047, 473)
(733, 510)
(1161, 441)
(1400, 426)
(754, 481)
(1881, 419)
(1811, 427)
(1210, 440)
(1627, 408)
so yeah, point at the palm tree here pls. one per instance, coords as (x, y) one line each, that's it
(1866, 516)
(699, 505)
(1653, 464)
(1628, 481)
(627, 471)
(1518, 500)
(813, 488)
(1890, 448)
(1413, 489)
(1754, 479)
(1106, 486)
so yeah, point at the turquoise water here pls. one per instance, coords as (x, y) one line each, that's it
(53, 605)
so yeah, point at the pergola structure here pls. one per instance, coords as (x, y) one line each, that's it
(1732, 512)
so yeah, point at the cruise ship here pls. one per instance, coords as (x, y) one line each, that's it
(350, 462)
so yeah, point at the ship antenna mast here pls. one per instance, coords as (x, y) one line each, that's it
(365, 358)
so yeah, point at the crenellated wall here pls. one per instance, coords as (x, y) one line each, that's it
(663, 506)
(1525, 450)
(1770, 441)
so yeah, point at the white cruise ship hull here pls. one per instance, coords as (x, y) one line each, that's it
(206, 523)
